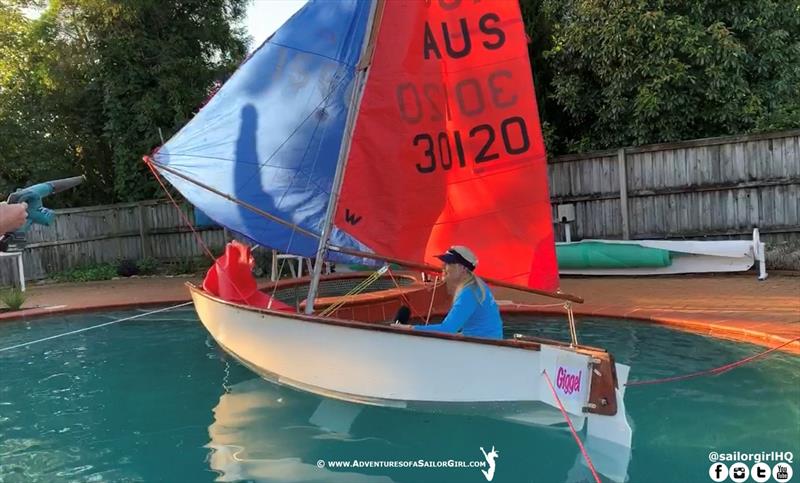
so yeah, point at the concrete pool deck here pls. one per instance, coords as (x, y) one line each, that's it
(734, 307)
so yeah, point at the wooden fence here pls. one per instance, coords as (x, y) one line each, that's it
(706, 188)
(715, 188)
(97, 234)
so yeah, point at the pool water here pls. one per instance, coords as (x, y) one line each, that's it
(154, 399)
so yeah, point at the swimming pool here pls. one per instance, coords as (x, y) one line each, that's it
(154, 399)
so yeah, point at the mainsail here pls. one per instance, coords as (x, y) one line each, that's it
(447, 147)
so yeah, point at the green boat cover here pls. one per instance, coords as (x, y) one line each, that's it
(610, 255)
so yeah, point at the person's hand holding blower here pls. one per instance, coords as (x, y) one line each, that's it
(24, 208)
(13, 216)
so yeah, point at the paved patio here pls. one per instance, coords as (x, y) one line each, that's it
(736, 307)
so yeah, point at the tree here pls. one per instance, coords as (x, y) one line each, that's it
(107, 78)
(158, 62)
(32, 145)
(630, 72)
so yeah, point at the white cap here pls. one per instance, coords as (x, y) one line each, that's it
(460, 254)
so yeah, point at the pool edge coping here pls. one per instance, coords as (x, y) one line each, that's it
(716, 330)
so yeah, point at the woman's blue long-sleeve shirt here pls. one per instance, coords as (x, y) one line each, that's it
(471, 317)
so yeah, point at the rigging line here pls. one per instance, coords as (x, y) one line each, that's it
(712, 372)
(572, 428)
(403, 296)
(430, 268)
(220, 158)
(94, 327)
(191, 226)
(433, 297)
(363, 285)
(230, 198)
(321, 188)
(353, 292)
(532, 306)
(183, 215)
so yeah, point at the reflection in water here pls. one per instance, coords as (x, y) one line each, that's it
(244, 442)
(265, 432)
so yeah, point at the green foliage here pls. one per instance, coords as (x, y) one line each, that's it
(147, 266)
(184, 266)
(13, 298)
(86, 87)
(629, 72)
(88, 273)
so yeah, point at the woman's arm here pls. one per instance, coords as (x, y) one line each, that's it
(462, 310)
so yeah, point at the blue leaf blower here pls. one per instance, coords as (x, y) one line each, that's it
(37, 213)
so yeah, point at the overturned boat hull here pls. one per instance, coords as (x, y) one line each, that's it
(680, 256)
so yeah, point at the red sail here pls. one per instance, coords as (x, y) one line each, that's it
(447, 149)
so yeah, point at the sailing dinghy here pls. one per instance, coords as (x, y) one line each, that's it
(389, 130)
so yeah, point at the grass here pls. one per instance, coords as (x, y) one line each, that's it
(13, 298)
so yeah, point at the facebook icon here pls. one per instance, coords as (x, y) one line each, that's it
(718, 472)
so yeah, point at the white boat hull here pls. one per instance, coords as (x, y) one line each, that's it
(390, 367)
(386, 366)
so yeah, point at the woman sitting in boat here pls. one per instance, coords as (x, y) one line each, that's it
(474, 312)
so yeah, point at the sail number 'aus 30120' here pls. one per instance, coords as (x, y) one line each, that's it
(446, 148)
(488, 152)
(486, 97)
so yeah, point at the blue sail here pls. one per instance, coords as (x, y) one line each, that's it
(271, 135)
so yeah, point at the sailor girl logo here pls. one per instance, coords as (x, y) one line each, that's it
(568, 382)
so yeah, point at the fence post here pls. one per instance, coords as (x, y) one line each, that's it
(116, 232)
(142, 230)
(623, 193)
